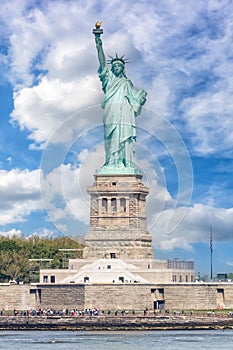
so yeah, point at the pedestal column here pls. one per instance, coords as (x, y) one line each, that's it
(118, 218)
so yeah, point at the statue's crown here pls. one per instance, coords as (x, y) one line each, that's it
(117, 58)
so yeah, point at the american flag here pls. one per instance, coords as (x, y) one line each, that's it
(211, 240)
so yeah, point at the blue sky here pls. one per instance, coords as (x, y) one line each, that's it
(51, 135)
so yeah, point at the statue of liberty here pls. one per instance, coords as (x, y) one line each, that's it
(121, 104)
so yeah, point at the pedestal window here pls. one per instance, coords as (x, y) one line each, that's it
(123, 205)
(104, 205)
(113, 205)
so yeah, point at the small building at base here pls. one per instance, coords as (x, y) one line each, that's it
(116, 270)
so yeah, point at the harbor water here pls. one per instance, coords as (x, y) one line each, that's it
(134, 340)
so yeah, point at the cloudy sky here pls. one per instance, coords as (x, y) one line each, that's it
(51, 135)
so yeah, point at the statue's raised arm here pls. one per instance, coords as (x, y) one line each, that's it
(99, 46)
(101, 55)
(122, 103)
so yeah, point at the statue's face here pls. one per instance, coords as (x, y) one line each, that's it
(117, 69)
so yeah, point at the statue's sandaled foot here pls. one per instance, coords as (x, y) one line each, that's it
(120, 165)
(129, 165)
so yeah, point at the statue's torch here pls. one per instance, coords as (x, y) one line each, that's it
(98, 31)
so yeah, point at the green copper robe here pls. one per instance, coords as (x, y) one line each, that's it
(121, 105)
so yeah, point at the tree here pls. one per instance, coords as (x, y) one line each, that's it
(15, 254)
(13, 266)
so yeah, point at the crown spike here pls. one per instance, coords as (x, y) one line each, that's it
(118, 58)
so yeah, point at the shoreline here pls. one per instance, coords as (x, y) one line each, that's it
(115, 323)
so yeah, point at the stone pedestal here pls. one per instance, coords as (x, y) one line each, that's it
(118, 218)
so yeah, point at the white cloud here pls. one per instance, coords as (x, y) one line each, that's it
(42, 108)
(64, 190)
(194, 228)
(35, 32)
(43, 233)
(11, 233)
(20, 195)
(209, 119)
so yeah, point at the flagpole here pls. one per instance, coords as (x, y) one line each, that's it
(211, 253)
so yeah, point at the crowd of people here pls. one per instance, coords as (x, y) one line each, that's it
(67, 312)
(74, 312)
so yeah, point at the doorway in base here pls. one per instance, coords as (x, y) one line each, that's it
(159, 304)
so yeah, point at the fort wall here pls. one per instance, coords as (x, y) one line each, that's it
(176, 296)
(16, 296)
